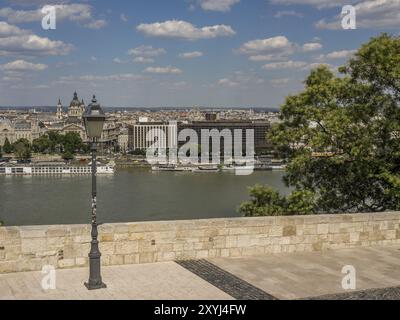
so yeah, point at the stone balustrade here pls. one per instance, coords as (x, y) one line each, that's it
(67, 246)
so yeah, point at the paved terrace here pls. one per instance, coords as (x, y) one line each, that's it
(272, 276)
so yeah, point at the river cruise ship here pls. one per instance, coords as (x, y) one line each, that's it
(53, 169)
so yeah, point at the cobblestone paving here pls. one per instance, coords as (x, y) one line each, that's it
(225, 281)
(373, 294)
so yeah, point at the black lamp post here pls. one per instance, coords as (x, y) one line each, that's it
(94, 118)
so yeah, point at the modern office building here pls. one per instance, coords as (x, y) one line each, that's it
(259, 129)
(156, 135)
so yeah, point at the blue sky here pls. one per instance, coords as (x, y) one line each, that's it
(177, 53)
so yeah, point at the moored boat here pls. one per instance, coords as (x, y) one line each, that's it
(53, 169)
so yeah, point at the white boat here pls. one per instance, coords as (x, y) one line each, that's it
(206, 169)
(278, 167)
(53, 170)
(171, 168)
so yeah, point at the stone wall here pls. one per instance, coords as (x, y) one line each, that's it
(67, 246)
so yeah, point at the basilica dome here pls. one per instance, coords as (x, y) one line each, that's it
(75, 101)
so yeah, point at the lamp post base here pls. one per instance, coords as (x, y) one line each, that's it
(95, 286)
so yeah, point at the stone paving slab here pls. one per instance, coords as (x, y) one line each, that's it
(315, 274)
(160, 281)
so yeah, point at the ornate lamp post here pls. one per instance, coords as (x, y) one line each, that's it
(94, 118)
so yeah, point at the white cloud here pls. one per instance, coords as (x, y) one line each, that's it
(279, 44)
(279, 82)
(113, 77)
(227, 82)
(163, 70)
(95, 79)
(284, 13)
(96, 24)
(123, 17)
(119, 61)
(22, 65)
(316, 3)
(10, 30)
(217, 5)
(191, 55)
(147, 51)
(343, 54)
(79, 13)
(32, 45)
(143, 60)
(312, 46)
(319, 64)
(285, 65)
(266, 57)
(184, 30)
(17, 41)
(370, 14)
(243, 79)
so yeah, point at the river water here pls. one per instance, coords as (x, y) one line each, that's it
(129, 195)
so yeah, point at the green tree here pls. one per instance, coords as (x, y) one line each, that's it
(68, 156)
(353, 122)
(139, 152)
(42, 144)
(22, 149)
(72, 142)
(55, 139)
(7, 146)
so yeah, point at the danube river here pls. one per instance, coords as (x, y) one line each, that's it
(127, 196)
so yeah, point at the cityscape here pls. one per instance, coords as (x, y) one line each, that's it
(209, 156)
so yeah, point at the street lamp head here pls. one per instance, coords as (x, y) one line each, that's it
(94, 118)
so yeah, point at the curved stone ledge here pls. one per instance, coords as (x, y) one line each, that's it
(67, 246)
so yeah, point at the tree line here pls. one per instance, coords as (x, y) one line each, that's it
(67, 145)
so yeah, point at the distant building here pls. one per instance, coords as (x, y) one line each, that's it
(123, 141)
(143, 136)
(20, 129)
(76, 107)
(211, 117)
(59, 110)
(73, 122)
(260, 131)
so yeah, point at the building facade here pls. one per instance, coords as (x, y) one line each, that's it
(143, 136)
(21, 129)
(72, 121)
(260, 130)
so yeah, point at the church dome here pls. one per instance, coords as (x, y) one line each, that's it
(75, 102)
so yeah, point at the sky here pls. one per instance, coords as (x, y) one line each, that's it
(177, 53)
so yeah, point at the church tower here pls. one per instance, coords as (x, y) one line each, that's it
(75, 107)
(83, 107)
(59, 110)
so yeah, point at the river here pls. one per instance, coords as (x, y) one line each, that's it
(129, 195)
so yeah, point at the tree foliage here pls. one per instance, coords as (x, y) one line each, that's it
(54, 142)
(22, 149)
(341, 137)
(7, 148)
